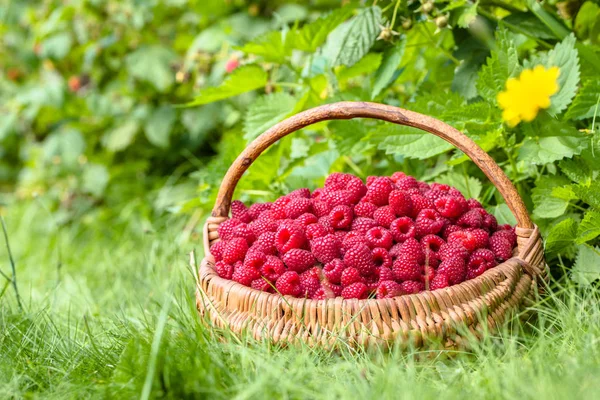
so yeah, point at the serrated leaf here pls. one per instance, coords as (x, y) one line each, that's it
(310, 36)
(350, 41)
(576, 169)
(587, 102)
(402, 140)
(270, 46)
(561, 236)
(158, 126)
(391, 60)
(153, 65)
(589, 228)
(587, 265)
(545, 205)
(241, 80)
(564, 192)
(265, 112)
(590, 194)
(501, 65)
(348, 136)
(469, 186)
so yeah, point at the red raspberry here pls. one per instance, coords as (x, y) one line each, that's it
(297, 206)
(289, 284)
(384, 216)
(261, 284)
(400, 203)
(321, 208)
(256, 209)
(359, 257)
(427, 275)
(420, 203)
(341, 217)
(226, 228)
(357, 290)
(408, 182)
(325, 248)
(333, 270)
(244, 231)
(316, 193)
(428, 222)
(362, 225)
(340, 235)
(396, 176)
(240, 211)
(266, 243)
(411, 249)
(435, 194)
(381, 257)
(370, 180)
(431, 246)
(480, 261)
(440, 186)
(465, 238)
(352, 238)
(481, 238)
(412, 287)
(289, 236)
(349, 276)
(490, 222)
(261, 226)
(439, 281)
(302, 192)
(452, 250)
(450, 207)
(406, 269)
(307, 219)
(388, 289)
(505, 227)
(298, 260)
(326, 222)
(501, 247)
(224, 270)
(217, 250)
(235, 250)
(245, 274)
(402, 228)
(255, 259)
(278, 207)
(472, 203)
(322, 293)
(314, 231)
(424, 187)
(449, 229)
(454, 269)
(395, 250)
(338, 198)
(471, 219)
(379, 191)
(384, 274)
(337, 181)
(365, 209)
(332, 289)
(508, 234)
(357, 188)
(379, 237)
(310, 281)
(272, 268)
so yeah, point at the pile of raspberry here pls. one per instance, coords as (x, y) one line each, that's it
(391, 236)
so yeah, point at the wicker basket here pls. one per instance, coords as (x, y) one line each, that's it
(446, 316)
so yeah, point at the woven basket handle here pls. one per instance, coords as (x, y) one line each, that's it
(351, 109)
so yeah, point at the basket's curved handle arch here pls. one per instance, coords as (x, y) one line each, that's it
(396, 115)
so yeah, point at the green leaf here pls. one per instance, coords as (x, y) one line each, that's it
(576, 169)
(528, 24)
(469, 186)
(590, 194)
(153, 65)
(95, 178)
(465, 76)
(467, 15)
(241, 80)
(545, 205)
(403, 140)
(159, 125)
(561, 236)
(557, 28)
(265, 112)
(587, 102)
(587, 22)
(391, 60)
(67, 144)
(352, 40)
(310, 36)
(587, 266)
(57, 46)
(270, 46)
(503, 214)
(501, 65)
(589, 228)
(367, 65)
(349, 137)
(121, 137)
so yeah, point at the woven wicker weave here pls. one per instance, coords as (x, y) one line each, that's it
(447, 316)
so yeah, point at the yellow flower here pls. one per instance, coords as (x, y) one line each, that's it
(526, 95)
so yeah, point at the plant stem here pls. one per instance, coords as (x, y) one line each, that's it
(432, 40)
(395, 12)
(12, 264)
(502, 4)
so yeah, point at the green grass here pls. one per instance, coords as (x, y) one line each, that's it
(112, 315)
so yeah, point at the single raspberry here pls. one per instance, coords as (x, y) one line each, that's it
(333, 270)
(402, 228)
(435, 194)
(370, 180)
(240, 211)
(465, 238)
(420, 203)
(258, 208)
(440, 186)
(381, 257)
(352, 238)
(388, 289)
(321, 208)
(322, 293)
(504, 227)
(226, 228)
(400, 203)
(235, 250)
(298, 260)
(359, 257)
(316, 193)
(337, 181)
(384, 216)
(224, 270)
(439, 281)
(266, 243)
(339, 198)
(490, 222)
(289, 284)
(412, 287)
(408, 182)
(289, 236)
(261, 226)
(365, 209)
(471, 219)
(255, 259)
(326, 222)
(508, 234)
(449, 229)
(244, 231)
(481, 237)
(272, 268)
(362, 225)
(379, 191)
(298, 206)
(411, 249)
(217, 250)
(357, 188)
(310, 281)
(245, 275)
(341, 217)
(325, 248)
(406, 269)
(454, 268)
(452, 250)
(349, 276)
(278, 207)
(307, 219)
(261, 284)
(396, 176)
(302, 192)
(314, 231)
(480, 261)
(332, 289)
(450, 207)
(341, 235)
(501, 247)
(379, 237)
(357, 290)
(472, 203)
(428, 222)
(384, 274)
